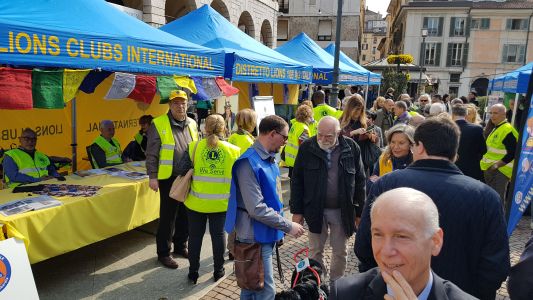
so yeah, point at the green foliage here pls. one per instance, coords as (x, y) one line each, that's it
(398, 81)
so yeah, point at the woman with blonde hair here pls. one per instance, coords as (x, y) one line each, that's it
(246, 120)
(472, 115)
(209, 193)
(398, 154)
(378, 104)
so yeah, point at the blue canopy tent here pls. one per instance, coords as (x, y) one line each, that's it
(247, 59)
(305, 50)
(373, 78)
(515, 81)
(90, 34)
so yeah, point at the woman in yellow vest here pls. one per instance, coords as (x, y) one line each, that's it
(398, 154)
(210, 190)
(246, 121)
(298, 133)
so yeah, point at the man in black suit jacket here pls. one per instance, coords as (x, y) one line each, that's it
(405, 235)
(472, 145)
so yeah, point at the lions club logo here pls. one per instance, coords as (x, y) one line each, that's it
(214, 159)
(518, 198)
(5, 272)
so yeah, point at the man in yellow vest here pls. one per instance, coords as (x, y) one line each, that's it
(168, 138)
(497, 163)
(136, 148)
(105, 149)
(25, 164)
(321, 109)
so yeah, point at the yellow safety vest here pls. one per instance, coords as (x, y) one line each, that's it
(323, 110)
(496, 149)
(243, 141)
(166, 152)
(291, 149)
(385, 166)
(35, 168)
(211, 181)
(312, 126)
(112, 153)
(138, 138)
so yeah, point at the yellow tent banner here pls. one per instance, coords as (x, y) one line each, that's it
(53, 126)
(267, 89)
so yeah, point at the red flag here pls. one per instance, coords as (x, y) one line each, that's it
(145, 89)
(15, 89)
(226, 89)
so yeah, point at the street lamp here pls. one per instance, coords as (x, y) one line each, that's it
(424, 34)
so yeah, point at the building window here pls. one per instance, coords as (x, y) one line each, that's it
(283, 30)
(453, 91)
(482, 23)
(375, 40)
(312, 2)
(513, 53)
(373, 50)
(324, 30)
(516, 24)
(284, 6)
(457, 54)
(364, 57)
(432, 54)
(433, 25)
(364, 47)
(455, 77)
(457, 26)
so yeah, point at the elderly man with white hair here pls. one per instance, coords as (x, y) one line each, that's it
(328, 191)
(405, 235)
(105, 150)
(436, 109)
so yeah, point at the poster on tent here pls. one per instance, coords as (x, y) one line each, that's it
(263, 106)
(523, 186)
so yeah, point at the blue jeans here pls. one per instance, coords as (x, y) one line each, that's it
(269, 290)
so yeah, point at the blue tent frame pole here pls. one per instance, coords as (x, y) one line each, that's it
(74, 144)
(335, 85)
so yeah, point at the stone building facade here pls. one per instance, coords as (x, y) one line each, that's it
(318, 19)
(374, 30)
(258, 18)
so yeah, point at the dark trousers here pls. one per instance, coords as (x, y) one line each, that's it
(197, 224)
(172, 221)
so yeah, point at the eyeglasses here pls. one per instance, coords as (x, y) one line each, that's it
(27, 138)
(423, 100)
(285, 137)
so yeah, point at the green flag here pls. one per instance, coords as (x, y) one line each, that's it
(47, 89)
(166, 84)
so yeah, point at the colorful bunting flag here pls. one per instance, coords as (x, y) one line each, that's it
(186, 82)
(92, 80)
(72, 80)
(122, 86)
(211, 88)
(47, 89)
(144, 90)
(201, 95)
(15, 89)
(226, 89)
(165, 84)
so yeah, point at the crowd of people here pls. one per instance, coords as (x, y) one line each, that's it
(421, 183)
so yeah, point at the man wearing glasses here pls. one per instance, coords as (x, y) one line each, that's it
(328, 191)
(25, 164)
(424, 102)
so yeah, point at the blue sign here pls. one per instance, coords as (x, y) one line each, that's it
(523, 186)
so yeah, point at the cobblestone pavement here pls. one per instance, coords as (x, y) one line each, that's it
(228, 288)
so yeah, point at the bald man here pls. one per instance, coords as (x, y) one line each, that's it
(105, 150)
(322, 109)
(405, 235)
(497, 163)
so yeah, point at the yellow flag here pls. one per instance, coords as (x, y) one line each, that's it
(186, 82)
(72, 80)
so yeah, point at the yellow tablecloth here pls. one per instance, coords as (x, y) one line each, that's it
(120, 205)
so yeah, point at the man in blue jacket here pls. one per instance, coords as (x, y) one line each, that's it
(475, 254)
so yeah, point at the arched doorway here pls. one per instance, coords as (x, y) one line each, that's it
(175, 9)
(246, 24)
(221, 8)
(481, 86)
(266, 34)
(135, 4)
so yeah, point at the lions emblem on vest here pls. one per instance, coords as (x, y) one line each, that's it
(214, 159)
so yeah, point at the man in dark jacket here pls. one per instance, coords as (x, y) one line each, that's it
(471, 144)
(475, 254)
(328, 190)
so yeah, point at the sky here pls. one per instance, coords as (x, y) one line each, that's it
(378, 6)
